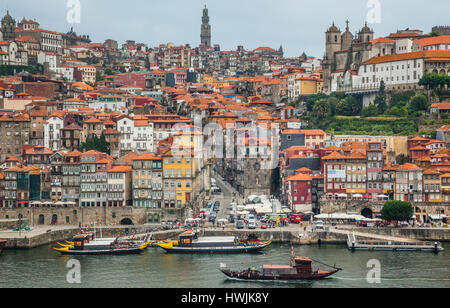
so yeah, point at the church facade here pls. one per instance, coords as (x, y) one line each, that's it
(348, 55)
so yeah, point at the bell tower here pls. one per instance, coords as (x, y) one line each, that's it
(205, 34)
(8, 26)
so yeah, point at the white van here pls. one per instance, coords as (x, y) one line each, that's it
(250, 218)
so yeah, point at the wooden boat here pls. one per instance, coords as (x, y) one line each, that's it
(189, 242)
(300, 269)
(86, 244)
(2, 244)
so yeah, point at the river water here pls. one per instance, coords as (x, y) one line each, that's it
(43, 267)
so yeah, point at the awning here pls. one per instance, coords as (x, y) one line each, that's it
(382, 196)
(437, 216)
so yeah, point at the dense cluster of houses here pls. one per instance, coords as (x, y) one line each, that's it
(170, 114)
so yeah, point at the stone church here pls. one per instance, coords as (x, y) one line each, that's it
(345, 52)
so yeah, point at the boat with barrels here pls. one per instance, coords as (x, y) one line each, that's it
(300, 269)
(190, 242)
(87, 244)
(2, 244)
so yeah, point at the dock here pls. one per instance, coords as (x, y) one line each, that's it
(389, 244)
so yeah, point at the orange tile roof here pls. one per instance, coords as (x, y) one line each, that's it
(408, 166)
(441, 54)
(437, 40)
(120, 169)
(147, 157)
(314, 132)
(441, 106)
(334, 155)
(381, 40)
(299, 177)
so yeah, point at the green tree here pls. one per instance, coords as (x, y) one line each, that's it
(97, 144)
(380, 99)
(399, 111)
(419, 103)
(397, 211)
(321, 109)
(349, 106)
(333, 101)
(98, 76)
(311, 101)
(108, 71)
(433, 81)
(369, 111)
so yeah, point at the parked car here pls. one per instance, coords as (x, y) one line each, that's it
(252, 225)
(240, 225)
(318, 225)
(264, 226)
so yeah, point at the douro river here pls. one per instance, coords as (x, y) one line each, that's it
(43, 267)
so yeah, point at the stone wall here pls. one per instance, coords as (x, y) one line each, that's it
(76, 216)
(347, 206)
(357, 206)
(41, 239)
(308, 238)
(8, 224)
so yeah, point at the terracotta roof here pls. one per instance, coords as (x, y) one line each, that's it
(120, 169)
(437, 40)
(440, 54)
(441, 106)
(408, 166)
(147, 157)
(299, 177)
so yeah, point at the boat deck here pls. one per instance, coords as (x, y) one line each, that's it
(373, 245)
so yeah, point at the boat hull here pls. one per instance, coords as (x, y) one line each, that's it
(213, 250)
(101, 252)
(2, 244)
(233, 275)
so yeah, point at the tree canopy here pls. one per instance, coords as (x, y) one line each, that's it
(434, 81)
(97, 144)
(397, 211)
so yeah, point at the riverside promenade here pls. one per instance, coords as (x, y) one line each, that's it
(292, 234)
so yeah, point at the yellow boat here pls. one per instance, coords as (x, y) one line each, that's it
(63, 245)
(189, 242)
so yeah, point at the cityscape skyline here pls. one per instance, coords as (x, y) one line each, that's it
(248, 29)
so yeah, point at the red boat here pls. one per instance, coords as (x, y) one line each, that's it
(301, 270)
(2, 244)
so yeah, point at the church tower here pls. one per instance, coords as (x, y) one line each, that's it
(365, 35)
(8, 26)
(347, 38)
(333, 44)
(205, 34)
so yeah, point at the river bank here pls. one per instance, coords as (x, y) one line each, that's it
(292, 235)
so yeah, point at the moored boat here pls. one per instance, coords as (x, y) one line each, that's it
(189, 242)
(2, 244)
(300, 269)
(86, 244)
